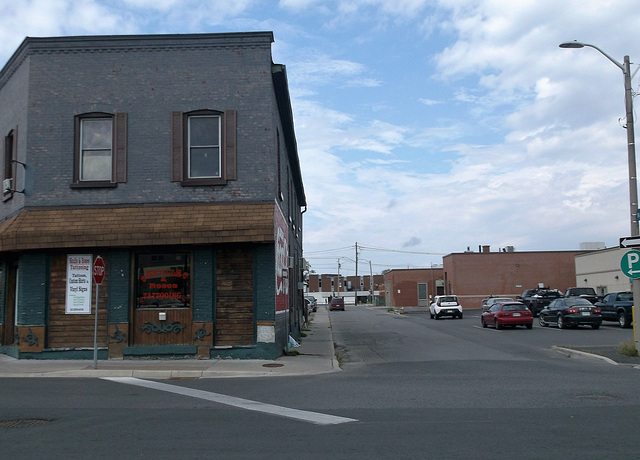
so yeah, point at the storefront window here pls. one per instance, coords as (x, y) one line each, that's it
(163, 280)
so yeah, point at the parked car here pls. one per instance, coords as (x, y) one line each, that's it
(537, 299)
(585, 292)
(488, 303)
(313, 304)
(445, 305)
(617, 306)
(571, 312)
(507, 313)
(337, 303)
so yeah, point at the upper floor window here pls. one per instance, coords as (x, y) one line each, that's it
(203, 147)
(10, 154)
(96, 138)
(100, 150)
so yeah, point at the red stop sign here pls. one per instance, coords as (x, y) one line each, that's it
(98, 270)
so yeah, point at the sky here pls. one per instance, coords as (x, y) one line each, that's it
(424, 127)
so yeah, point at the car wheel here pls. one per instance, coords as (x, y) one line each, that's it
(595, 326)
(622, 319)
(497, 325)
(561, 324)
(529, 326)
(437, 316)
(483, 323)
(460, 315)
(542, 321)
(431, 315)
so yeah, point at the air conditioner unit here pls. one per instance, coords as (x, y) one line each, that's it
(7, 185)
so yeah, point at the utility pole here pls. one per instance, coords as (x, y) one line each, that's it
(356, 259)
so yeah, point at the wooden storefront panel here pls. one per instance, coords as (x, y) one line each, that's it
(175, 330)
(234, 306)
(72, 330)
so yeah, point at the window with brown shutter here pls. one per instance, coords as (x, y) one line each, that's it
(100, 151)
(10, 154)
(203, 147)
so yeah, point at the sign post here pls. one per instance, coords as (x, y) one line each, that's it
(630, 265)
(98, 276)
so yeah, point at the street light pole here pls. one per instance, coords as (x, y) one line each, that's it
(631, 145)
(631, 152)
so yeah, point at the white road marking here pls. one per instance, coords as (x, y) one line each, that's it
(305, 416)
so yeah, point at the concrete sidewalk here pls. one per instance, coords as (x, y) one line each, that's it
(316, 355)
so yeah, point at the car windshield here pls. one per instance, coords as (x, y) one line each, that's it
(513, 307)
(551, 294)
(499, 300)
(577, 302)
(583, 291)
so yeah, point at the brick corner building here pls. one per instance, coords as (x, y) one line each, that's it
(174, 158)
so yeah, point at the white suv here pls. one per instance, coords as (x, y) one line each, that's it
(445, 305)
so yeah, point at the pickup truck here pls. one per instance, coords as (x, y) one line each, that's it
(584, 292)
(537, 299)
(617, 306)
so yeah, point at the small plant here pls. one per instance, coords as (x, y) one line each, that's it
(628, 349)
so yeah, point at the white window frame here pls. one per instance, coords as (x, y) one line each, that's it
(217, 146)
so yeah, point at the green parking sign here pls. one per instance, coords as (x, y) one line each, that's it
(630, 264)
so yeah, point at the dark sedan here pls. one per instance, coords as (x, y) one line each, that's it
(571, 312)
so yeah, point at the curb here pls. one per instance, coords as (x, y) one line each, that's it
(569, 352)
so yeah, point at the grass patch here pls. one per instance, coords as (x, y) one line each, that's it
(628, 349)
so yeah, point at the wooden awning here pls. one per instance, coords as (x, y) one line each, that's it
(179, 224)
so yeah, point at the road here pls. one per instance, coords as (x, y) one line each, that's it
(411, 387)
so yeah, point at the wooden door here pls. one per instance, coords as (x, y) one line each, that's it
(162, 308)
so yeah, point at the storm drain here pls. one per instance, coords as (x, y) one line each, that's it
(272, 365)
(23, 423)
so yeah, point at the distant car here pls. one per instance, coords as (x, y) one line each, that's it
(571, 312)
(313, 304)
(617, 306)
(493, 300)
(538, 299)
(445, 305)
(507, 313)
(585, 292)
(337, 303)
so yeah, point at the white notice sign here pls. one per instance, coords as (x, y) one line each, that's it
(79, 269)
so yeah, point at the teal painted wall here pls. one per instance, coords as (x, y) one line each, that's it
(119, 267)
(204, 284)
(33, 282)
(264, 282)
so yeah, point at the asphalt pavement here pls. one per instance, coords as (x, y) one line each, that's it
(315, 355)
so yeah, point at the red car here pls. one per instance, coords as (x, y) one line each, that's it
(507, 314)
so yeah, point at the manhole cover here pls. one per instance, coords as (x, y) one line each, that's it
(272, 365)
(22, 423)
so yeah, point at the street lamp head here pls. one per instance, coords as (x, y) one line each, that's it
(573, 44)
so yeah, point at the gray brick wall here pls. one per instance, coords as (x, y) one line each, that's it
(148, 84)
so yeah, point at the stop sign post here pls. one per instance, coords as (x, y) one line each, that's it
(98, 276)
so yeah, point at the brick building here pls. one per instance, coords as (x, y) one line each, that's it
(473, 276)
(325, 285)
(413, 287)
(174, 158)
